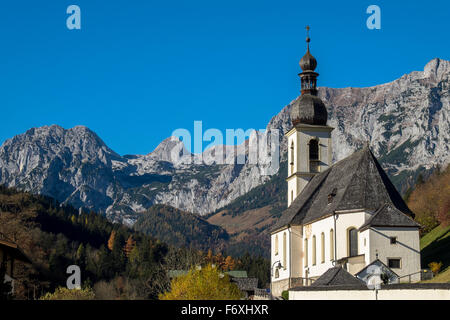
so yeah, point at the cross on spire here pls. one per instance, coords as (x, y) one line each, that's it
(308, 39)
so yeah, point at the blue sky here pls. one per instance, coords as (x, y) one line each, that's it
(137, 70)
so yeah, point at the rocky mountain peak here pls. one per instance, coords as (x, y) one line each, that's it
(406, 121)
(437, 69)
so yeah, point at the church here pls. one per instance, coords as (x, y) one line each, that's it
(347, 214)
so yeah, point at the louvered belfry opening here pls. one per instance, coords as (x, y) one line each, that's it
(314, 156)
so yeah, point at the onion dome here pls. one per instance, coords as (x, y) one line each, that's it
(308, 62)
(309, 109)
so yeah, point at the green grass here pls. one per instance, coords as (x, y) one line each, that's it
(435, 247)
(442, 277)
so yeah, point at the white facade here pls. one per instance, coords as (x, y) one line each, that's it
(306, 251)
(294, 247)
(406, 249)
(300, 169)
(390, 294)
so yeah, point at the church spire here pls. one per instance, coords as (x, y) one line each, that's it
(308, 64)
(309, 140)
(308, 109)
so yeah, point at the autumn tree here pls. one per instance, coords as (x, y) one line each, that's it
(207, 283)
(430, 200)
(111, 240)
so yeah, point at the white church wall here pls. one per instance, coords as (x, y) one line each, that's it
(365, 246)
(406, 248)
(281, 255)
(344, 221)
(390, 294)
(296, 257)
(316, 229)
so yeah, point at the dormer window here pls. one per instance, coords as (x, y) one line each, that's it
(332, 195)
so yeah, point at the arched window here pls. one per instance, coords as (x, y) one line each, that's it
(314, 155)
(276, 244)
(306, 252)
(331, 245)
(352, 236)
(292, 157)
(313, 251)
(322, 247)
(292, 196)
(284, 250)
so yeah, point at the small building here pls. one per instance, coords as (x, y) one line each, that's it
(246, 285)
(9, 253)
(387, 275)
(338, 284)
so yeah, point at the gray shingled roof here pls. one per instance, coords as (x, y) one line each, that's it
(389, 216)
(358, 182)
(246, 284)
(337, 276)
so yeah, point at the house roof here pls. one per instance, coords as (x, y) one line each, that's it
(357, 182)
(237, 273)
(13, 249)
(377, 262)
(389, 216)
(246, 284)
(337, 276)
(233, 273)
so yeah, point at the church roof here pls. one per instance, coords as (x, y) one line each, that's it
(337, 276)
(389, 216)
(357, 182)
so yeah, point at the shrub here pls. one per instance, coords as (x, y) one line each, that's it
(285, 295)
(67, 294)
(435, 267)
(207, 283)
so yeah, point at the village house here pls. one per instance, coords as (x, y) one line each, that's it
(9, 253)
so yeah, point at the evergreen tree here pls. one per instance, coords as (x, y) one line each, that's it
(129, 245)
(81, 256)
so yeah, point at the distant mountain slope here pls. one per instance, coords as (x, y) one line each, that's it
(406, 122)
(180, 228)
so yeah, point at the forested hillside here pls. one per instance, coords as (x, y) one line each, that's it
(430, 200)
(181, 228)
(116, 261)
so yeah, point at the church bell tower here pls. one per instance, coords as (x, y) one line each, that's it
(309, 140)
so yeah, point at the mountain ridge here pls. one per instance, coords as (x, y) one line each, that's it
(405, 120)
